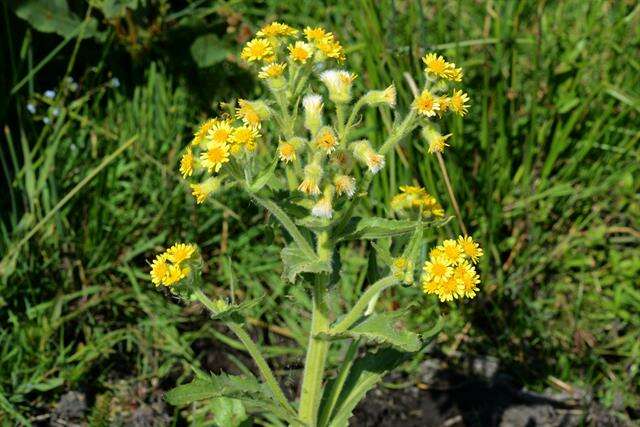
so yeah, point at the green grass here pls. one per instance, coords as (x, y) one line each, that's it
(545, 167)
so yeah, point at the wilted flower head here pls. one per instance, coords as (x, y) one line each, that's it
(312, 105)
(338, 83)
(437, 141)
(345, 185)
(363, 152)
(323, 207)
(414, 198)
(311, 182)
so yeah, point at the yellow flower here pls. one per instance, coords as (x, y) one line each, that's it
(381, 97)
(331, 48)
(315, 34)
(276, 29)
(458, 102)
(452, 252)
(186, 164)
(326, 140)
(467, 278)
(456, 74)
(247, 113)
(413, 197)
(180, 252)
(202, 190)
(426, 104)
(245, 136)
(159, 269)
(470, 248)
(437, 269)
(215, 156)
(176, 273)
(437, 66)
(430, 286)
(203, 130)
(287, 152)
(272, 71)
(345, 184)
(443, 102)
(219, 133)
(257, 49)
(300, 52)
(449, 289)
(436, 252)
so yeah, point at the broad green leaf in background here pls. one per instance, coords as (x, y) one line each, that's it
(208, 50)
(115, 8)
(52, 16)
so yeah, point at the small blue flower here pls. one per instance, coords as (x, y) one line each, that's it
(55, 111)
(115, 82)
(46, 120)
(31, 108)
(50, 93)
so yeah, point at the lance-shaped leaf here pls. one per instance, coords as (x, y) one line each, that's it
(378, 228)
(295, 262)
(246, 388)
(223, 385)
(381, 329)
(264, 177)
(363, 376)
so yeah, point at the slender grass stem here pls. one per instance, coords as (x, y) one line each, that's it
(317, 351)
(452, 197)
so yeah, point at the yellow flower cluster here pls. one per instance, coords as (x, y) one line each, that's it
(218, 141)
(271, 41)
(414, 198)
(171, 266)
(432, 101)
(449, 273)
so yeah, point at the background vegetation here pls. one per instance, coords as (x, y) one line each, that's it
(97, 102)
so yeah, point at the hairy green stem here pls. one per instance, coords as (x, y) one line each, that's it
(338, 384)
(317, 351)
(254, 351)
(361, 305)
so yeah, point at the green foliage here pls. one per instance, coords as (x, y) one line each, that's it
(296, 262)
(546, 164)
(379, 328)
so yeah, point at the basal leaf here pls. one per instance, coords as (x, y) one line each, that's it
(233, 386)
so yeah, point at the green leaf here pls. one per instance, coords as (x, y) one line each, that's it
(379, 328)
(115, 8)
(208, 50)
(363, 376)
(215, 386)
(264, 178)
(228, 412)
(376, 228)
(232, 311)
(52, 16)
(296, 262)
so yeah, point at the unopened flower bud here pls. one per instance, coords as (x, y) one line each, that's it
(204, 189)
(381, 97)
(338, 83)
(312, 112)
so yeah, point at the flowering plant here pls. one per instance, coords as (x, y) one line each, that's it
(301, 150)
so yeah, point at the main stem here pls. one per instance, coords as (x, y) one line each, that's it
(317, 351)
